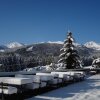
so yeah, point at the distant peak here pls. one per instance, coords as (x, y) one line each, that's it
(93, 45)
(91, 42)
(57, 42)
(14, 45)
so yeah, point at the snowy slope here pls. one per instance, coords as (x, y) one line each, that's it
(77, 44)
(56, 42)
(14, 45)
(30, 48)
(60, 42)
(86, 90)
(92, 45)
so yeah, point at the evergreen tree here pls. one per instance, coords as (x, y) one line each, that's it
(96, 63)
(69, 56)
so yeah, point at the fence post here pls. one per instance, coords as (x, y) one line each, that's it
(2, 94)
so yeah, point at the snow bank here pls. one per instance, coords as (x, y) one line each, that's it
(86, 90)
(52, 66)
(89, 67)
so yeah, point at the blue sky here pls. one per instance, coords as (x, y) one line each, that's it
(29, 21)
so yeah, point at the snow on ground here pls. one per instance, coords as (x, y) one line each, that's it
(52, 66)
(89, 67)
(86, 90)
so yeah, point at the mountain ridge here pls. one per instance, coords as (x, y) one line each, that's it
(16, 45)
(45, 53)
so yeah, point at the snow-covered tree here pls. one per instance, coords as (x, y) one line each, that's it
(96, 63)
(69, 55)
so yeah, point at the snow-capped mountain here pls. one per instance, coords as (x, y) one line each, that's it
(17, 45)
(56, 42)
(14, 45)
(92, 45)
(60, 42)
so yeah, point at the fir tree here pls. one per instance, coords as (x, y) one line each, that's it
(69, 56)
(96, 63)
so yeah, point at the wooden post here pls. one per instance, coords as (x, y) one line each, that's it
(2, 94)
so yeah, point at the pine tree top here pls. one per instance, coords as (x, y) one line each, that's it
(69, 33)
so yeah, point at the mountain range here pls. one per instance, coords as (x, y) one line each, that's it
(88, 49)
(49, 51)
(17, 45)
